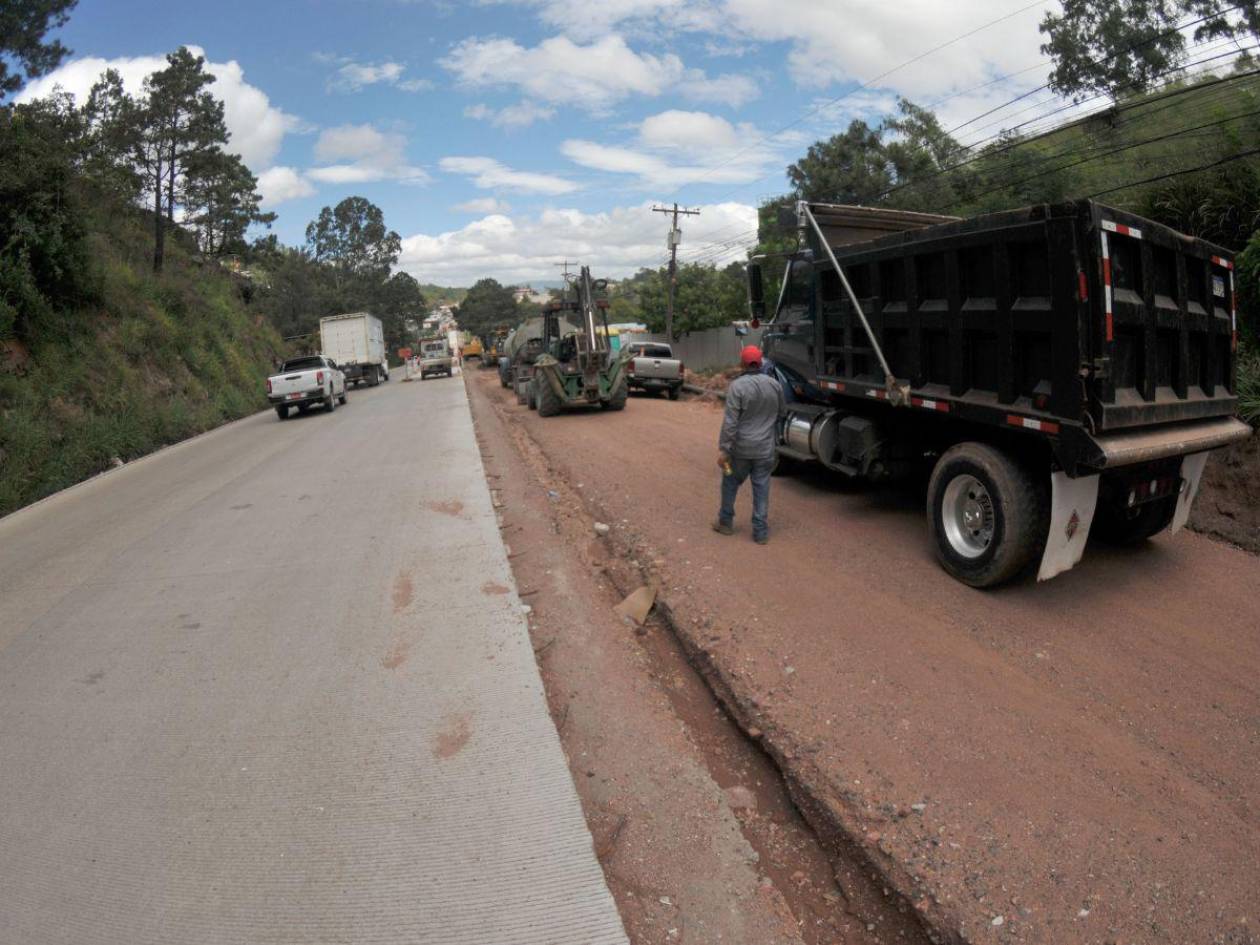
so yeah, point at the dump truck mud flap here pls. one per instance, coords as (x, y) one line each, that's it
(1072, 505)
(1191, 474)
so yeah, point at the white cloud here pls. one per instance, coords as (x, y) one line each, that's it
(278, 184)
(594, 76)
(584, 19)
(855, 40)
(489, 174)
(355, 154)
(255, 126)
(520, 115)
(615, 243)
(675, 148)
(726, 89)
(483, 205)
(352, 76)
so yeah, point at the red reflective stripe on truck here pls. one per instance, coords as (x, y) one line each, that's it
(833, 385)
(1225, 263)
(1028, 423)
(1108, 319)
(940, 406)
(1122, 230)
(1082, 292)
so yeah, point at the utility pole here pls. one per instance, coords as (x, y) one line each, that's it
(675, 237)
(566, 264)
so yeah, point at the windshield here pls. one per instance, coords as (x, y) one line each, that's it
(303, 364)
(436, 348)
(653, 351)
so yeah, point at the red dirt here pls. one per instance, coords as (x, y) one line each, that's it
(1065, 762)
(692, 823)
(1228, 506)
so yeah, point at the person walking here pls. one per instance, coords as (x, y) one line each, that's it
(746, 445)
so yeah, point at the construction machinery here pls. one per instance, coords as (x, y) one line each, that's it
(577, 367)
(493, 346)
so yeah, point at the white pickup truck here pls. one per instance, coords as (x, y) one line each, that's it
(304, 382)
(653, 367)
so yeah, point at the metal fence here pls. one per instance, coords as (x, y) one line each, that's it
(707, 350)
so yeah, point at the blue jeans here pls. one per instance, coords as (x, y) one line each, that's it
(741, 469)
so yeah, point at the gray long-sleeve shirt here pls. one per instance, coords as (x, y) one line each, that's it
(754, 404)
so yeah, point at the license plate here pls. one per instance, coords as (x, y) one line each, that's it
(294, 396)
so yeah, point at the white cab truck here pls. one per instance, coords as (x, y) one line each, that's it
(356, 341)
(305, 382)
(435, 357)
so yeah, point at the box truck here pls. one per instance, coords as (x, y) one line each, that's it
(356, 341)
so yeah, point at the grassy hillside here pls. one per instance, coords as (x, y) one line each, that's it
(157, 359)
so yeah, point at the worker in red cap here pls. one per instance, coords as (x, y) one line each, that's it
(747, 444)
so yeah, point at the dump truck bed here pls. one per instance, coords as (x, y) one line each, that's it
(1062, 319)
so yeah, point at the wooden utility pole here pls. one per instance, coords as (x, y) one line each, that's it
(566, 264)
(675, 237)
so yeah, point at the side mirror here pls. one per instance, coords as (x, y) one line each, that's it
(756, 292)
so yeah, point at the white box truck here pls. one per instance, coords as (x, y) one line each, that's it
(356, 341)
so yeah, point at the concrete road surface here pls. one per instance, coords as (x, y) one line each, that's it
(274, 685)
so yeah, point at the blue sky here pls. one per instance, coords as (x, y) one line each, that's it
(500, 136)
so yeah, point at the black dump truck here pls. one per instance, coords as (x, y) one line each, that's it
(1066, 367)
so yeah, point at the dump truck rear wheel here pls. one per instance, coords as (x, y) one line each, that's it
(1117, 525)
(987, 515)
(282, 411)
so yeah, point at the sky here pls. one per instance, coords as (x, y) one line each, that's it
(502, 137)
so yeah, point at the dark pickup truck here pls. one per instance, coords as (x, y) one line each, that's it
(1066, 367)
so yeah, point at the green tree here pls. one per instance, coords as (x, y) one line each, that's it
(23, 53)
(111, 137)
(487, 304)
(44, 259)
(180, 121)
(222, 200)
(1122, 46)
(399, 301)
(353, 240)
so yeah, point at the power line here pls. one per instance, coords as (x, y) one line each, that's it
(865, 85)
(1189, 170)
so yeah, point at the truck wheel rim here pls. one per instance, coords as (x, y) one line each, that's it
(967, 516)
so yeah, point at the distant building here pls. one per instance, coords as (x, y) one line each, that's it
(527, 293)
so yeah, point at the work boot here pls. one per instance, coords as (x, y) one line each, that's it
(761, 539)
(723, 529)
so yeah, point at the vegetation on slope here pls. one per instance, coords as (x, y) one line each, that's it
(149, 360)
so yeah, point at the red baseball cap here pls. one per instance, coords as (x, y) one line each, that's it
(750, 356)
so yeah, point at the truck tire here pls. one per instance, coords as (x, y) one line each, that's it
(987, 515)
(330, 402)
(1116, 525)
(282, 411)
(374, 378)
(531, 393)
(341, 398)
(545, 398)
(617, 399)
(674, 392)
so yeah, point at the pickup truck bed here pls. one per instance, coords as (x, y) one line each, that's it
(654, 368)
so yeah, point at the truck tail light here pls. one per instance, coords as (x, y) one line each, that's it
(319, 377)
(268, 385)
(682, 369)
(630, 369)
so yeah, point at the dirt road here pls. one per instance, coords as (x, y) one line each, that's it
(1066, 762)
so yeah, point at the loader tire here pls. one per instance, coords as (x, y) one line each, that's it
(617, 399)
(546, 398)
